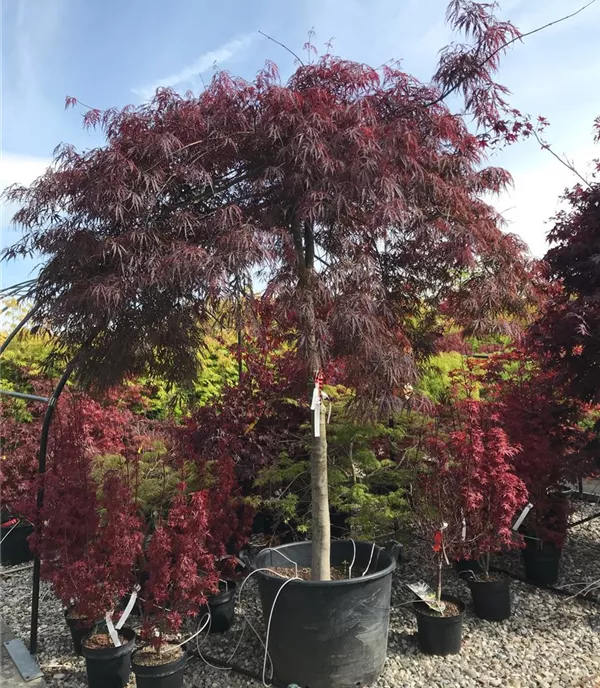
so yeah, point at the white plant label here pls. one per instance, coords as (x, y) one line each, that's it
(463, 532)
(128, 608)
(114, 636)
(521, 518)
(315, 407)
(425, 593)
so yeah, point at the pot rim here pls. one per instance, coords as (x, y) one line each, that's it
(105, 652)
(330, 583)
(504, 578)
(184, 657)
(445, 598)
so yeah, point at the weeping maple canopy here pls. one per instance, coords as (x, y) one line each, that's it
(353, 196)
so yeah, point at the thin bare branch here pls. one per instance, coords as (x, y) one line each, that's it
(563, 161)
(262, 33)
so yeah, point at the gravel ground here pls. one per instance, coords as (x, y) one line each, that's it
(549, 642)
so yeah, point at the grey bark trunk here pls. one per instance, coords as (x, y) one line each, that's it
(321, 529)
(304, 244)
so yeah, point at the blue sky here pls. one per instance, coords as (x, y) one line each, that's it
(112, 53)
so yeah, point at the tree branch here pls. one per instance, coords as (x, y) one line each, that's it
(502, 47)
(298, 246)
(563, 161)
(309, 244)
(262, 33)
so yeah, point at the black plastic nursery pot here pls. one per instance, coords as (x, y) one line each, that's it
(439, 635)
(467, 567)
(110, 667)
(328, 634)
(541, 561)
(79, 628)
(15, 545)
(222, 608)
(491, 598)
(169, 675)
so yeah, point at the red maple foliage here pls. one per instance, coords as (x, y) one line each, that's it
(178, 571)
(468, 493)
(568, 333)
(546, 425)
(90, 534)
(93, 539)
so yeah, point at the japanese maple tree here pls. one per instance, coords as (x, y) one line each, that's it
(355, 194)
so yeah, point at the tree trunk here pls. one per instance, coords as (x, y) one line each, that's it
(304, 244)
(321, 537)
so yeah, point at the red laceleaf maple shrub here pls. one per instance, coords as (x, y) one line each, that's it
(546, 425)
(178, 570)
(93, 537)
(91, 534)
(467, 492)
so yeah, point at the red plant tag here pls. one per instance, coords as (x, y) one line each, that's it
(9, 523)
(437, 541)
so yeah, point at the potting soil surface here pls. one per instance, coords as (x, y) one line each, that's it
(450, 609)
(305, 573)
(148, 656)
(100, 641)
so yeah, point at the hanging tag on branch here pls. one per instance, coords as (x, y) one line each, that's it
(463, 532)
(315, 405)
(521, 518)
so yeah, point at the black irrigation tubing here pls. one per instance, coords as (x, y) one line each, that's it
(236, 669)
(550, 588)
(584, 520)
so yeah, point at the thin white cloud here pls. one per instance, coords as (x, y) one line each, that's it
(219, 55)
(17, 169)
(20, 169)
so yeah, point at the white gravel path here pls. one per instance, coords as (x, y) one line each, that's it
(550, 641)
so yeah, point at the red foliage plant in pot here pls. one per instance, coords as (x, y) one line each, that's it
(546, 425)
(477, 460)
(91, 534)
(177, 574)
(438, 519)
(470, 484)
(329, 186)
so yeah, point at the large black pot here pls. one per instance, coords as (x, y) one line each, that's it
(222, 608)
(15, 545)
(439, 635)
(80, 628)
(491, 598)
(541, 561)
(328, 634)
(110, 667)
(168, 675)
